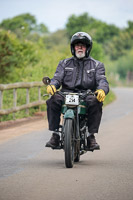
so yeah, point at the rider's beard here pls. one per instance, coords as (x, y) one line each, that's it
(80, 55)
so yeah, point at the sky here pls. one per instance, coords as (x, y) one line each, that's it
(55, 13)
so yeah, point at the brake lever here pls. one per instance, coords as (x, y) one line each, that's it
(44, 95)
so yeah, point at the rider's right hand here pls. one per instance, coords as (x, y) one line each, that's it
(51, 89)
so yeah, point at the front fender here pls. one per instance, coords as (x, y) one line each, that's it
(69, 114)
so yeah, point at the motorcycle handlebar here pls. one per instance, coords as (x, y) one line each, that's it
(81, 94)
(46, 80)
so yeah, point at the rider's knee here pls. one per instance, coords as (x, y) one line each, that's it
(92, 101)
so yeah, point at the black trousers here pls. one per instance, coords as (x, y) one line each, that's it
(94, 112)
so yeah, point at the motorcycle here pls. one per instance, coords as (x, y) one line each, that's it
(73, 130)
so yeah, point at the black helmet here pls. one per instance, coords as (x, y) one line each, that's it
(83, 38)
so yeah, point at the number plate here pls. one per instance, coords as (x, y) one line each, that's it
(72, 99)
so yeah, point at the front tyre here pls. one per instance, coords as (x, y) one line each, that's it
(69, 143)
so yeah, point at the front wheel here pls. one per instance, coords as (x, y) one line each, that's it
(69, 142)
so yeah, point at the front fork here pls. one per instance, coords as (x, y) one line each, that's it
(77, 125)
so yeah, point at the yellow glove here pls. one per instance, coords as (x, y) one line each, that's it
(100, 95)
(51, 89)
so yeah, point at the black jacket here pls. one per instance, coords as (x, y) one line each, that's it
(74, 74)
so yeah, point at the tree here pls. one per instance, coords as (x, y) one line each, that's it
(100, 31)
(78, 23)
(14, 54)
(97, 51)
(56, 39)
(23, 25)
(41, 29)
(125, 64)
(20, 25)
(119, 45)
(105, 32)
(130, 26)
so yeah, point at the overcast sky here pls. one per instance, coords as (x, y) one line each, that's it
(54, 13)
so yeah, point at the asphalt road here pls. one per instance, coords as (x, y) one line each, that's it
(29, 171)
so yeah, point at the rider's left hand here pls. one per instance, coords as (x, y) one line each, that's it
(100, 95)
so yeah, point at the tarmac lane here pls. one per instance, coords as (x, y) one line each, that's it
(28, 170)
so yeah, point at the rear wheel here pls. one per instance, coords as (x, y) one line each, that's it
(69, 143)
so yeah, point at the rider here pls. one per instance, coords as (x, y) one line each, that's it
(75, 74)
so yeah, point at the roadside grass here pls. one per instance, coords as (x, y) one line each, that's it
(109, 98)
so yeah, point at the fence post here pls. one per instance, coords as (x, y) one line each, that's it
(14, 100)
(1, 100)
(27, 100)
(39, 96)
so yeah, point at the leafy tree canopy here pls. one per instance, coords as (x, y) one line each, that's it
(78, 23)
(125, 64)
(23, 25)
(14, 54)
(99, 30)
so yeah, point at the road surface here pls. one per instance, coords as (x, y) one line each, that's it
(29, 171)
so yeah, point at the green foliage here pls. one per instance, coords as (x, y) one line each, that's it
(119, 46)
(40, 29)
(97, 51)
(23, 25)
(14, 54)
(99, 30)
(78, 23)
(105, 32)
(56, 39)
(125, 64)
(20, 25)
(109, 98)
(130, 27)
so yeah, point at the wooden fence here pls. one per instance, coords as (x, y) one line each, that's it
(129, 77)
(28, 104)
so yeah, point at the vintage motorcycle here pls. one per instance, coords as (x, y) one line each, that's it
(73, 131)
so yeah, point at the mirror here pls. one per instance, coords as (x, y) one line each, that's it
(46, 80)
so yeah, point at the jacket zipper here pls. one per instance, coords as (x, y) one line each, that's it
(82, 74)
(77, 76)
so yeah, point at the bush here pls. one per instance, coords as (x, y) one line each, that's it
(125, 64)
(14, 54)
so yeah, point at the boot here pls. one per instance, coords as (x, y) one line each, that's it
(92, 144)
(54, 141)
